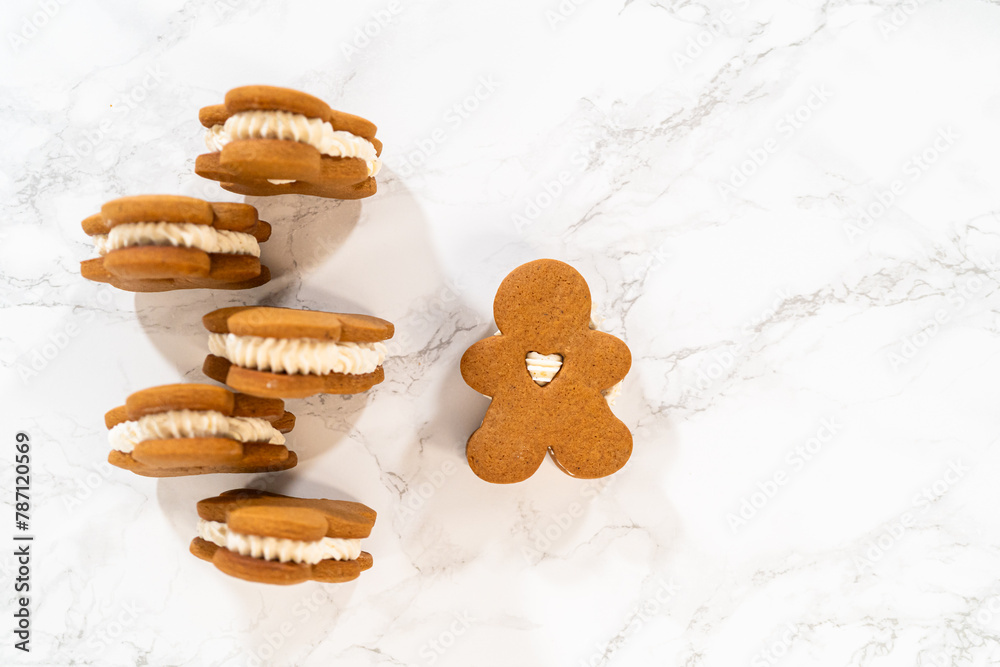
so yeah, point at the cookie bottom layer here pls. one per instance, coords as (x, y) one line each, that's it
(248, 167)
(223, 272)
(257, 457)
(267, 189)
(282, 385)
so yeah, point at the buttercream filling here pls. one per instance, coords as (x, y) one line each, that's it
(302, 356)
(259, 124)
(543, 367)
(177, 234)
(192, 424)
(277, 548)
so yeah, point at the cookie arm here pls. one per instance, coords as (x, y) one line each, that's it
(610, 359)
(481, 365)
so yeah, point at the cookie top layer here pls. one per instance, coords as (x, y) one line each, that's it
(256, 512)
(166, 398)
(273, 98)
(172, 208)
(544, 307)
(270, 322)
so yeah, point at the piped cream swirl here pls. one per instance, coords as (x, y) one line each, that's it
(276, 548)
(303, 356)
(259, 124)
(192, 424)
(177, 234)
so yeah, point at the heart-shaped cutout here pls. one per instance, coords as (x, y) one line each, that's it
(543, 368)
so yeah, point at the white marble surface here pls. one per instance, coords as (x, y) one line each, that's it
(832, 378)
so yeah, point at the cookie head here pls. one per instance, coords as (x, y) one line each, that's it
(266, 140)
(541, 297)
(274, 539)
(548, 373)
(288, 353)
(195, 429)
(154, 243)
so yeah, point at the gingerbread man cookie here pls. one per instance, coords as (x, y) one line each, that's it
(543, 307)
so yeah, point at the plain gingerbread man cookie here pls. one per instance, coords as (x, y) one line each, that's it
(544, 307)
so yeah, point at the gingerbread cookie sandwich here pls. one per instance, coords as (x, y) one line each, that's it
(287, 353)
(273, 141)
(274, 539)
(543, 312)
(154, 243)
(193, 429)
